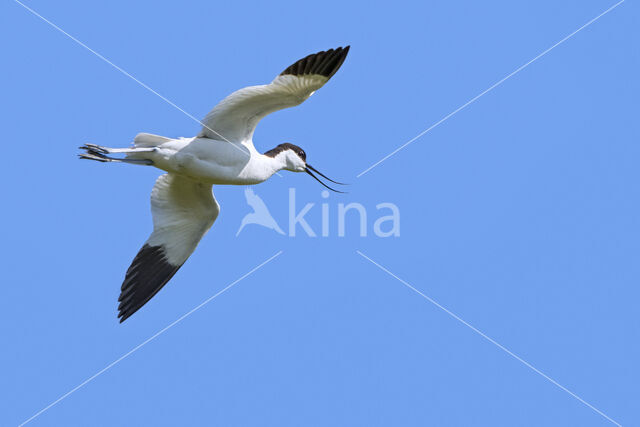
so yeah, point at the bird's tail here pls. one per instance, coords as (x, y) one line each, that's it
(149, 140)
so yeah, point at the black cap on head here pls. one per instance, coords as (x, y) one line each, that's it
(308, 168)
(287, 146)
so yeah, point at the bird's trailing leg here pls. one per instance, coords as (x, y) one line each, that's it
(99, 153)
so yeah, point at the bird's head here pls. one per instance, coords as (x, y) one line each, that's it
(294, 159)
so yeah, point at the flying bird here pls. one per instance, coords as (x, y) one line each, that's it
(182, 203)
(260, 214)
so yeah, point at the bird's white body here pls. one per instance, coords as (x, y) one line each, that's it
(182, 203)
(213, 161)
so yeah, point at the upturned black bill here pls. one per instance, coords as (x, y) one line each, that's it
(310, 168)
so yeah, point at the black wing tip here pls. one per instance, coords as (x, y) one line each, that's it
(122, 317)
(148, 273)
(324, 63)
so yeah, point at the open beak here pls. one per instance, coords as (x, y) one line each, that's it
(310, 168)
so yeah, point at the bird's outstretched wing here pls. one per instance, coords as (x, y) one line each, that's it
(235, 118)
(183, 211)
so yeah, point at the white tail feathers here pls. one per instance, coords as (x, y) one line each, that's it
(149, 140)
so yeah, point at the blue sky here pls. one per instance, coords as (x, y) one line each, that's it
(519, 214)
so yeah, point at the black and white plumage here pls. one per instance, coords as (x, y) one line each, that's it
(183, 210)
(237, 116)
(182, 202)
